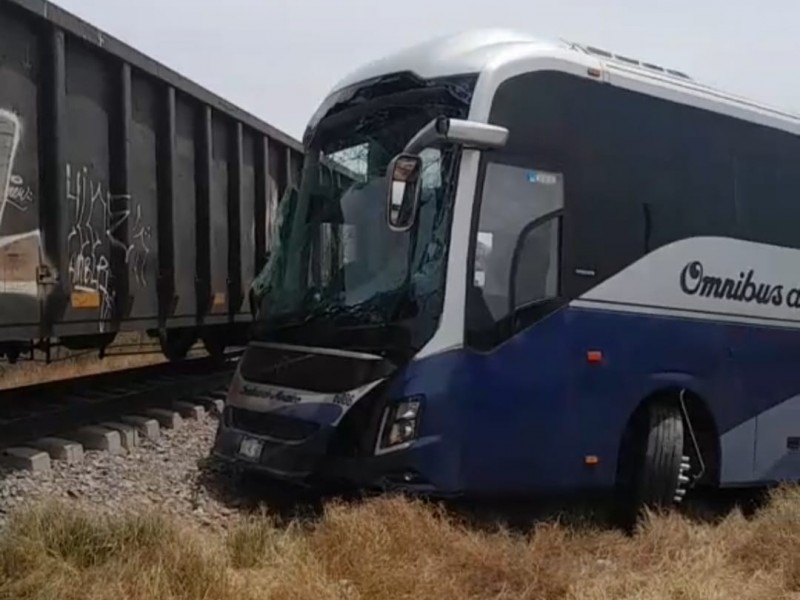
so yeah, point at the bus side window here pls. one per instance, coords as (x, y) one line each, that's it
(517, 246)
(536, 264)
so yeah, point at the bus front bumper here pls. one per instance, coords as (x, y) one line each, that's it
(307, 463)
(295, 461)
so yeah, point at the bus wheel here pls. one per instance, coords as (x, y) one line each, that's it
(653, 468)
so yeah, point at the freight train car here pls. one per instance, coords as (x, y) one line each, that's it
(131, 199)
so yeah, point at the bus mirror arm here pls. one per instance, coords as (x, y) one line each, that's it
(405, 170)
(471, 134)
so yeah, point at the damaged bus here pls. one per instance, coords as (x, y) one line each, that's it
(547, 268)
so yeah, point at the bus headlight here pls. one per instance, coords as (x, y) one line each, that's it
(401, 422)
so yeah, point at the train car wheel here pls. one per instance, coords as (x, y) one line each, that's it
(176, 343)
(215, 345)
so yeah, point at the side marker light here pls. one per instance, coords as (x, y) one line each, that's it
(594, 357)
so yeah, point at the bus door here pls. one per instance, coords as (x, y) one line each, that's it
(515, 283)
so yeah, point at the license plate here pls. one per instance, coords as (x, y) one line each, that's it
(250, 448)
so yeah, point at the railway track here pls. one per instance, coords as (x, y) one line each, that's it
(109, 411)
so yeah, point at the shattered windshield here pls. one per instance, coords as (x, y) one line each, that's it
(337, 263)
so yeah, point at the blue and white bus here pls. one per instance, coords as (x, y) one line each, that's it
(549, 268)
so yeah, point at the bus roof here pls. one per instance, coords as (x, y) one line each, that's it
(481, 50)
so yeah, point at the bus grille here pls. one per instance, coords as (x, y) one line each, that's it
(320, 373)
(273, 425)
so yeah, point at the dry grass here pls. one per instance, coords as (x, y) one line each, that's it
(395, 548)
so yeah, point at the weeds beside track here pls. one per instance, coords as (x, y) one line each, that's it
(391, 548)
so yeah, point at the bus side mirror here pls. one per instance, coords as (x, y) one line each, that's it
(404, 191)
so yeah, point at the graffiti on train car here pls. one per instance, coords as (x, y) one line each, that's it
(10, 133)
(19, 194)
(19, 249)
(138, 252)
(98, 219)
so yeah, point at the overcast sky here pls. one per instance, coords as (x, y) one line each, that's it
(278, 58)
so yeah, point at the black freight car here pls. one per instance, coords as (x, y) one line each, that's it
(131, 199)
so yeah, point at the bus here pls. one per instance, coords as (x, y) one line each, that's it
(550, 269)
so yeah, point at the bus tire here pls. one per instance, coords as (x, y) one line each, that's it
(652, 474)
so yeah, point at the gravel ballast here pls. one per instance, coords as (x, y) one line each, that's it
(173, 474)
